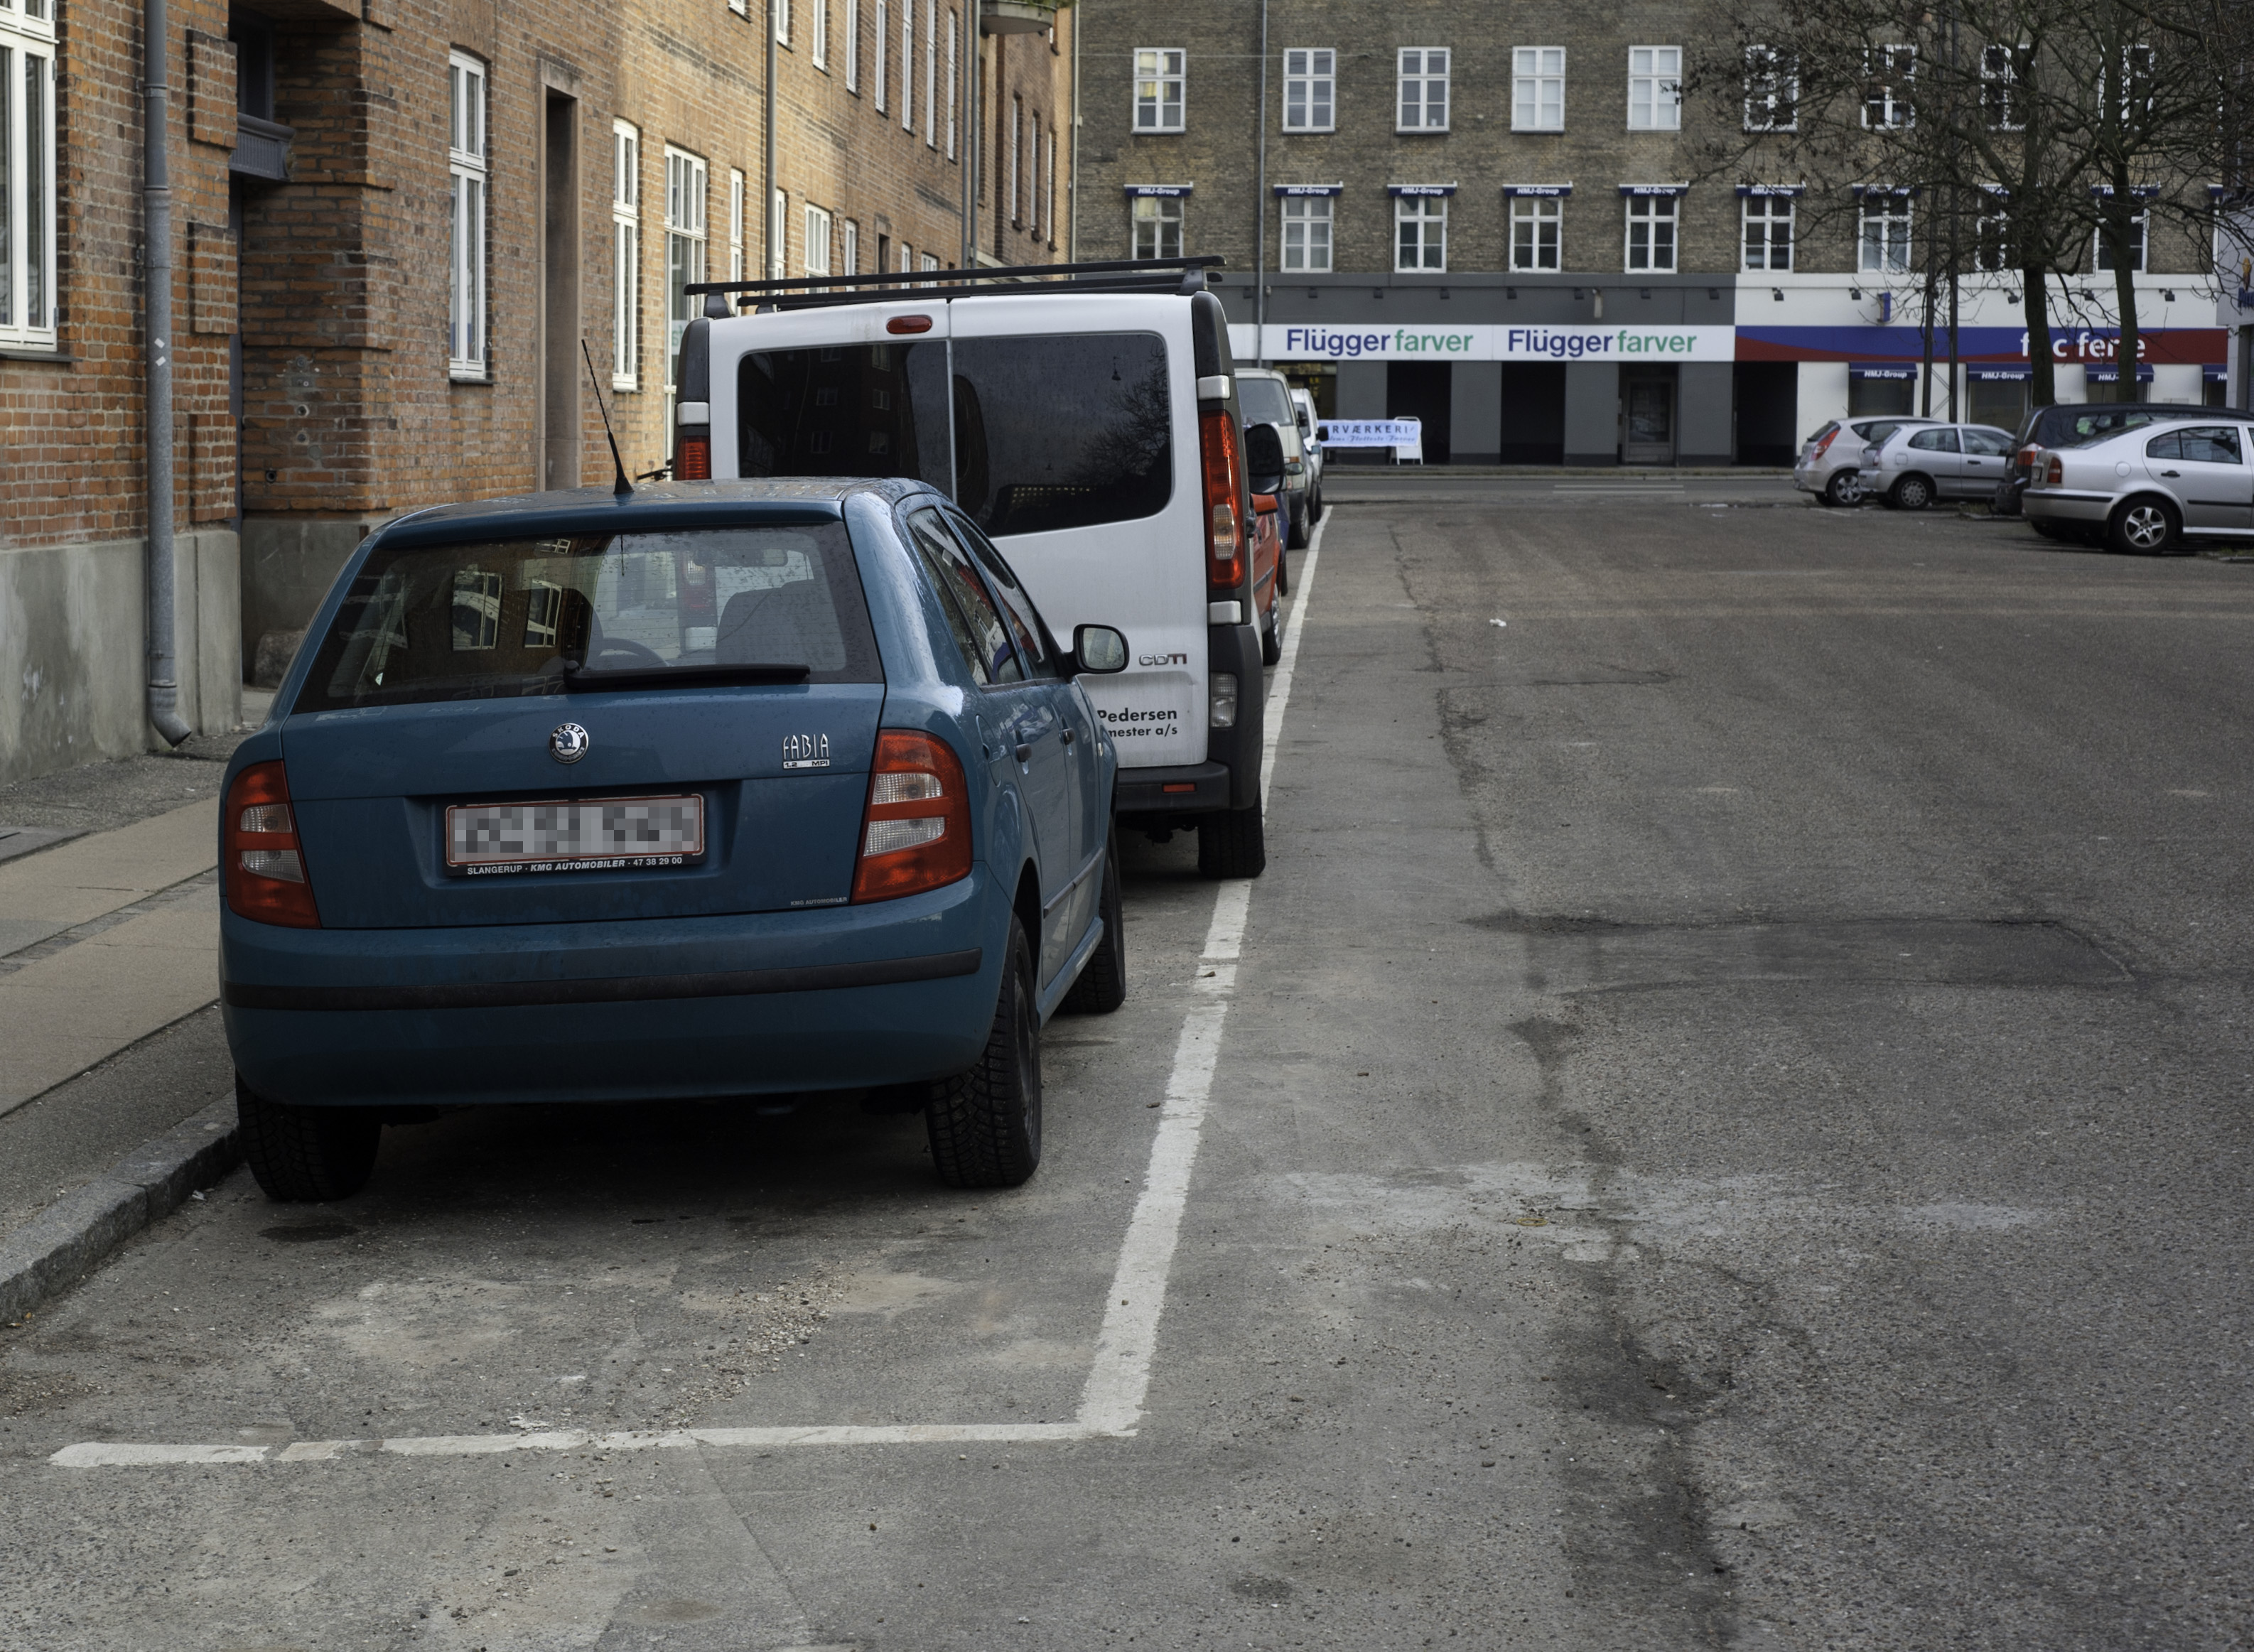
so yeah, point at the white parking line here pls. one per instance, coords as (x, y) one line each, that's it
(1111, 1402)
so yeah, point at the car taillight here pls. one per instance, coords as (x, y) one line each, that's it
(265, 864)
(2055, 472)
(1823, 446)
(692, 457)
(1223, 464)
(916, 833)
(2027, 459)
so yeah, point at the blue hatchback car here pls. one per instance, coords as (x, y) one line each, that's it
(718, 789)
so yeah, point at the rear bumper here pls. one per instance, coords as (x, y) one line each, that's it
(2043, 505)
(664, 1009)
(1190, 788)
(1229, 778)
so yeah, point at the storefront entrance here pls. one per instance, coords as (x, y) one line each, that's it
(1648, 415)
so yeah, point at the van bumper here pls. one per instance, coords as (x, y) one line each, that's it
(1229, 778)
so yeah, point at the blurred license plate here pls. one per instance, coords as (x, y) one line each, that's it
(589, 834)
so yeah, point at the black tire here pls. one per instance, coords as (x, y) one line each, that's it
(1232, 844)
(1295, 536)
(1284, 573)
(1271, 633)
(2145, 527)
(1912, 493)
(985, 1123)
(305, 1155)
(1102, 985)
(1845, 488)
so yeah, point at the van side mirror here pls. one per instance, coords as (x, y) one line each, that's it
(1097, 651)
(1264, 458)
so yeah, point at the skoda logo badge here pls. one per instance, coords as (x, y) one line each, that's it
(569, 742)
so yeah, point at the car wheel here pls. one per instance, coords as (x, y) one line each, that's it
(1845, 488)
(1283, 573)
(1102, 985)
(985, 1123)
(1271, 633)
(1232, 844)
(2144, 528)
(1295, 539)
(1912, 493)
(304, 1155)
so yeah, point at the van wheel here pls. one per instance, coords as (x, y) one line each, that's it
(1912, 493)
(306, 1154)
(1102, 985)
(985, 1124)
(1845, 488)
(1232, 844)
(1284, 573)
(2144, 528)
(1271, 636)
(1297, 538)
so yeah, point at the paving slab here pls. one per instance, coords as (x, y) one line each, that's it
(43, 894)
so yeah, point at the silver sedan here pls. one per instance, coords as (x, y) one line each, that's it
(2145, 491)
(1911, 467)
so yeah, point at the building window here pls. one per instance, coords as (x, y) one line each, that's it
(465, 159)
(1655, 89)
(28, 300)
(852, 46)
(953, 84)
(931, 74)
(2002, 67)
(1992, 234)
(1310, 89)
(1423, 101)
(1882, 248)
(1016, 142)
(1158, 77)
(849, 248)
(877, 63)
(626, 256)
(1420, 231)
(1537, 88)
(1771, 90)
(781, 11)
(1651, 222)
(1768, 232)
(1537, 225)
(2102, 259)
(684, 251)
(1158, 221)
(819, 46)
(1048, 213)
(907, 65)
(1033, 178)
(1891, 74)
(1307, 233)
(778, 234)
(817, 241)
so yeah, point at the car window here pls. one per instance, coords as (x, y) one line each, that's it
(1062, 430)
(1978, 439)
(1017, 607)
(1879, 430)
(1262, 401)
(1940, 441)
(2211, 445)
(859, 410)
(2093, 426)
(978, 628)
(2167, 444)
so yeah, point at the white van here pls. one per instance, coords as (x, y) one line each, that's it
(1093, 432)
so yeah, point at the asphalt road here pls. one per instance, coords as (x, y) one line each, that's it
(1726, 1124)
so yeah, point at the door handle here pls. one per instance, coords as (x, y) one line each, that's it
(1024, 754)
(2175, 474)
(1066, 736)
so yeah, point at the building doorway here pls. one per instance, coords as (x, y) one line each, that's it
(1533, 425)
(1648, 415)
(1423, 390)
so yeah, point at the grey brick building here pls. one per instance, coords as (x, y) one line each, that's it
(1485, 216)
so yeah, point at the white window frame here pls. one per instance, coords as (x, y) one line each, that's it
(1420, 89)
(849, 247)
(735, 225)
(626, 256)
(819, 227)
(778, 234)
(29, 305)
(1033, 176)
(1537, 88)
(1771, 90)
(852, 46)
(1890, 88)
(687, 191)
(1429, 215)
(1017, 144)
(2140, 226)
(931, 74)
(1151, 218)
(1534, 214)
(1161, 88)
(1309, 236)
(780, 10)
(880, 34)
(466, 146)
(1766, 213)
(907, 258)
(1655, 89)
(908, 64)
(954, 82)
(1048, 213)
(1651, 214)
(2001, 65)
(1895, 222)
(1311, 88)
(1992, 234)
(818, 35)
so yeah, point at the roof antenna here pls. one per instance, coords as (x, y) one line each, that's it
(621, 488)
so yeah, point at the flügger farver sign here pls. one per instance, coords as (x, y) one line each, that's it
(1294, 342)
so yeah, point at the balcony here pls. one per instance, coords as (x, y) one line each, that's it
(1019, 17)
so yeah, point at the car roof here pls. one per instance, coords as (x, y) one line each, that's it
(653, 507)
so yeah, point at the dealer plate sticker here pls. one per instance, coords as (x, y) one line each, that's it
(591, 834)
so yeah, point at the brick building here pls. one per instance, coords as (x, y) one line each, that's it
(397, 222)
(1487, 217)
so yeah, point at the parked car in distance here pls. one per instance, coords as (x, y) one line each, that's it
(1830, 461)
(2065, 423)
(1303, 402)
(2147, 489)
(1263, 465)
(1914, 466)
(716, 790)
(1266, 395)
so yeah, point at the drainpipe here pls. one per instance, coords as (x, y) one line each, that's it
(971, 49)
(156, 226)
(1072, 247)
(766, 158)
(1260, 207)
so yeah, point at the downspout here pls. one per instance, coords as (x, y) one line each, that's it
(1260, 207)
(1072, 234)
(969, 140)
(766, 158)
(157, 270)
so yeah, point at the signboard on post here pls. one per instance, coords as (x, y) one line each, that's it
(1404, 435)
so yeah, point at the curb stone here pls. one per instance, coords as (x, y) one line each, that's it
(73, 1236)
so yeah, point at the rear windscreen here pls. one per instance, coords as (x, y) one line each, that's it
(1040, 433)
(1265, 400)
(490, 618)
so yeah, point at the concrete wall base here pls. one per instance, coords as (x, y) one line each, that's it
(74, 648)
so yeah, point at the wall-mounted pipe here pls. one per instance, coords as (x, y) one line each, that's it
(156, 271)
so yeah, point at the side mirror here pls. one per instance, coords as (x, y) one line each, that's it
(1097, 651)
(1264, 458)
(1264, 505)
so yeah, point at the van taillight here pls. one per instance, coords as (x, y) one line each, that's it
(915, 832)
(692, 457)
(1223, 464)
(265, 864)
(2055, 472)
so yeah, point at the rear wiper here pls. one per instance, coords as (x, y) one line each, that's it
(578, 680)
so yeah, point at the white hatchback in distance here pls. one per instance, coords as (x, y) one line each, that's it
(1915, 465)
(1830, 461)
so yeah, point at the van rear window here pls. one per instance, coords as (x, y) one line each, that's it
(1045, 432)
(493, 618)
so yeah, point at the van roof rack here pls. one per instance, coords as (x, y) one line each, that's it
(1111, 275)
